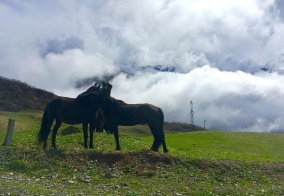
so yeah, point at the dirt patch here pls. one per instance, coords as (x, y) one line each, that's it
(138, 162)
(135, 158)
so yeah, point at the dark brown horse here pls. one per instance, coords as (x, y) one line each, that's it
(83, 110)
(117, 112)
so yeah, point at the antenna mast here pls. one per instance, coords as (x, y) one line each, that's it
(191, 115)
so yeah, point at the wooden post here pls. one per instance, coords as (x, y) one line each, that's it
(10, 131)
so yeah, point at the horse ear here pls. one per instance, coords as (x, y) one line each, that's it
(97, 87)
(109, 86)
(104, 85)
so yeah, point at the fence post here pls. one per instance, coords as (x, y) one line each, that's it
(9, 134)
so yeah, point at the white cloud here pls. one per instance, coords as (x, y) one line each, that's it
(62, 71)
(225, 34)
(226, 100)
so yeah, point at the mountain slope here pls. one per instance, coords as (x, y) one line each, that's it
(16, 96)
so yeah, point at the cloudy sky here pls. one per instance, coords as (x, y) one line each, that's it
(220, 49)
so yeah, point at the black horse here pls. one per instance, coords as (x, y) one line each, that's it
(117, 112)
(82, 109)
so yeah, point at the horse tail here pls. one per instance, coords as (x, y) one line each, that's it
(44, 129)
(161, 115)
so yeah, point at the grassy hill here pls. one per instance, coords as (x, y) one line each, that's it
(199, 163)
(17, 96)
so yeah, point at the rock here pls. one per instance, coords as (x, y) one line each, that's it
(70, 130)
(87, 180)
(108, 175)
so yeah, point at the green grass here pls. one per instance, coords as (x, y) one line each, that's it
(199, 163)
(25, 120)
(244, 146)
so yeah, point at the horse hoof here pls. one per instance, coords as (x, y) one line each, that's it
(154, 150)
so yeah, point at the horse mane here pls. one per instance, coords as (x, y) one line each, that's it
(94, 91)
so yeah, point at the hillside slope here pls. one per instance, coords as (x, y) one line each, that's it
(16, 96)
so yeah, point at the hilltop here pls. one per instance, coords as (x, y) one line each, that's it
(16, 96)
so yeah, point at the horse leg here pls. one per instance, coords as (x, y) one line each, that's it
(49, 124)
(155, 146)
(165, 149)
(157, 139)
(85, 132)
(91, 130)
(44, 144)
(54, 132)
(116, 137)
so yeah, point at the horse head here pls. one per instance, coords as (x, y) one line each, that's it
(108, 87)
(95, 95)
(94, 88)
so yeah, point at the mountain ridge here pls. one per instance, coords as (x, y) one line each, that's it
(16, 96)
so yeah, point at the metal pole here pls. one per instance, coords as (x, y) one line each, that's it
(9, 134)
(191, 115)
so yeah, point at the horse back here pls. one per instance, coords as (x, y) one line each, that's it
(68, 110)
(133, 114)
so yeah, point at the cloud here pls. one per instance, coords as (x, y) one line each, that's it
(53, 44)
(59, 46)
(231, 36)
(61, 71)
(226, 100)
